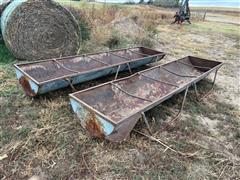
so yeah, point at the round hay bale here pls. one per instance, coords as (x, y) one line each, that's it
(3, 5)
(39, 29)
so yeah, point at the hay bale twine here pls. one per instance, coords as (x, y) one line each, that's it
(39, 29)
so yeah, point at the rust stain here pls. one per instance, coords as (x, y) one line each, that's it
(93, 126)
(24, 81)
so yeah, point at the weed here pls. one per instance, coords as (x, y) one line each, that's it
(85, 29)
(114, 41)
(144, 41)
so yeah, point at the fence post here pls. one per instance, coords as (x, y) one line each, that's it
(204, 16)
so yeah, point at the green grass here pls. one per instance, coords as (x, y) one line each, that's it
(215, 27)
(231, 9)
(5, 55)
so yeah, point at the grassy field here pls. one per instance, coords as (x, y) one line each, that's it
(41, 136)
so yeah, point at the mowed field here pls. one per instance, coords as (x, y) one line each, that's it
(42, 137)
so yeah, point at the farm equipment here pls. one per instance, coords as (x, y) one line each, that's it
(183, 14)
(40, 77)
(111, 110)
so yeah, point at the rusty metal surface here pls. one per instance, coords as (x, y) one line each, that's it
(24, 81)
(53, 69)
(122, 101)
(92, 126)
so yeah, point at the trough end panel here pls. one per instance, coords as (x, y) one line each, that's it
(95, 125)
(30, 87)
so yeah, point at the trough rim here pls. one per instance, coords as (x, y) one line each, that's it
(151, 104)
(17, 65)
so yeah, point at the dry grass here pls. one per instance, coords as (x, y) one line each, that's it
(102, 18)
(42, 137)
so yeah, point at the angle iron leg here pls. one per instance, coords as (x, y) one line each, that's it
(146, 122)
(116, 76)
(180, 111)
(209, 92)
(129, 68)
(70, 84)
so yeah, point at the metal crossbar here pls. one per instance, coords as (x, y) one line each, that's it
(97, 60)
(180, 75)
(64, 67)
(123, 57)
(129, 68)
(190, 65)
(130, 93)
(153, 79)
(143, 54)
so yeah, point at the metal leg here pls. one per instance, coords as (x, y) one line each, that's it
(179, 113)
(146, 122)
(156, 60)
(117, 72)
(129, 68)
(209, 92)
(70, 84)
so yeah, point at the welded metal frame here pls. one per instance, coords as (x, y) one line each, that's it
(153, 103)
(17, 66)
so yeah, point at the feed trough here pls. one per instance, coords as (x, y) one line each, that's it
(40, 77)
(111, 110)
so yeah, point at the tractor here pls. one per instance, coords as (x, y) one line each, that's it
(183, 14)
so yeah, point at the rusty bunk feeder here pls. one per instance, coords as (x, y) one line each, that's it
(40, 77)
(111, 110)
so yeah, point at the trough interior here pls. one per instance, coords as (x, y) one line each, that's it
(48, 70)
(116, 104)
(111, 101)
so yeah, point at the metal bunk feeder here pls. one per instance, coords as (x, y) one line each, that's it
(111, 110)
